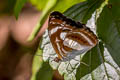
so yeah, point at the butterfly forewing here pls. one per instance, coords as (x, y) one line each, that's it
(69, 38)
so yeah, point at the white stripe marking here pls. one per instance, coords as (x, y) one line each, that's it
(53, 30)
(89, 41)
(63, 35)
(58, 46)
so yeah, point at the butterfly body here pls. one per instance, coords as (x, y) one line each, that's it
(69, 38)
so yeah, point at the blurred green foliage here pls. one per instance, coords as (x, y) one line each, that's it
(40, 4)
(18, 6)
(6, 6)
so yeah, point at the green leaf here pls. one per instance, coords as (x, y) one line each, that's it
(18, 6)
(108, 28)
(41, 70)
(39, 4)
(63, 5)
(90, 61)
(45, 72)
(83, 11)
(37, 63)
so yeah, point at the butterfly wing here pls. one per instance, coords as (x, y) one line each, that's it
(69, 38)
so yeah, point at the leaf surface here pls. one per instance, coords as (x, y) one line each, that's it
(108, 28)
(18, 7)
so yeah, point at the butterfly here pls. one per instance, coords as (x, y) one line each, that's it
(69, 38)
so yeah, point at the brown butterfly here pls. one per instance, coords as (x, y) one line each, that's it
(69, 38)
